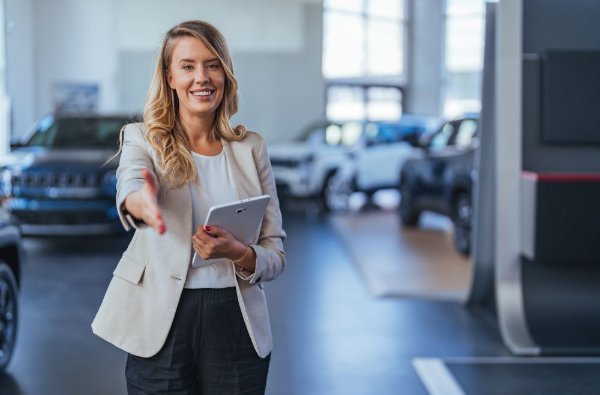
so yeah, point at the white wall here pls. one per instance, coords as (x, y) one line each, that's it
(20, 63)
(114, 42)
(74, 42)
(257, 25)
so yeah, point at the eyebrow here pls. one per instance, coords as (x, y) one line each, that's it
(186, 60)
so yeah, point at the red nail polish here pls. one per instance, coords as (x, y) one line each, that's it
(207, 228)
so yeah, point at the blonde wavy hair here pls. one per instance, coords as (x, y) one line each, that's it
(161, 117)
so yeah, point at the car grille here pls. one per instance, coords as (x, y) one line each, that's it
(52, 179)
(57, 185)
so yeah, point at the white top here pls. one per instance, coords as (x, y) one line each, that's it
(214, 186)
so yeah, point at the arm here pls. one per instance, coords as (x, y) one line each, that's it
(265, 260)
(137, 188)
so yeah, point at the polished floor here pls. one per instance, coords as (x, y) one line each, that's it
(405, 261)
(332, 335)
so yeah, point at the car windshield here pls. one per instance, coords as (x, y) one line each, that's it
(345, 134)
(79, 132)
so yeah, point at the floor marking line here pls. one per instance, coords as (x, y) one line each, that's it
(436, 377)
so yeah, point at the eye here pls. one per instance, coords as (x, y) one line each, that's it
(214, 66)
(187, 67)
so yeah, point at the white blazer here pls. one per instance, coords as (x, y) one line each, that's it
(140, 302)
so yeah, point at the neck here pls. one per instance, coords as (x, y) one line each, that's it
(198, 128)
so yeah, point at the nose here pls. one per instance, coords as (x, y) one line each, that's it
(201, 76)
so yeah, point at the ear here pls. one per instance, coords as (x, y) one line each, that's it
(169, 78)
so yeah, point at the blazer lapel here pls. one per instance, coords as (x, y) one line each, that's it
(243, 170)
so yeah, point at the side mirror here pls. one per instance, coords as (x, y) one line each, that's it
(15, 145)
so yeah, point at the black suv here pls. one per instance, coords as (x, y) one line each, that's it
(441, 181)
(55, 181)
(10, 278)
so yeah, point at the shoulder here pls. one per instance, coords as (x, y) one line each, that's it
(138, 128)
(253, 139)
(137, 132)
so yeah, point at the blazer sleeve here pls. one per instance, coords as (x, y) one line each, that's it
(270, 256)
(134, 157)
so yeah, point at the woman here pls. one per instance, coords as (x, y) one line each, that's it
(198, 327)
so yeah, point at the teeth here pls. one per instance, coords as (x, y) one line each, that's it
(201, 93)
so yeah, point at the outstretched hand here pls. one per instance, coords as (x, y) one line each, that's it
(143, 204)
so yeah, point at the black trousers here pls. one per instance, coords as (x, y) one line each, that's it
(208, 351)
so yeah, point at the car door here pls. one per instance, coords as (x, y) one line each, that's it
(439, 149)
(378, 163)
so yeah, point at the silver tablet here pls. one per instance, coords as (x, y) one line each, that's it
(241, 218)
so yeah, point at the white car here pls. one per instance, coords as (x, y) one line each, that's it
(331, 160)
(386, 146)
(302, 168)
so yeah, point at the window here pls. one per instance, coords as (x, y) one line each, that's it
(442, 138)
(357, 103)
(465, 29)
(466, 132)
(363, 58)
(363, 38)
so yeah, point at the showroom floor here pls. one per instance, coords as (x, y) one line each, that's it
(331, 335)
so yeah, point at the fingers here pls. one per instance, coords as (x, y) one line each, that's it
(215, 231)
(158, 224)
(149, 181)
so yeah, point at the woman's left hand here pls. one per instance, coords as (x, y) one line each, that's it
(213, 242)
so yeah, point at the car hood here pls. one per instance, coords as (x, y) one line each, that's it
(35, 157)
(290, 151)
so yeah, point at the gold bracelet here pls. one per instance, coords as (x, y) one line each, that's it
(236, 261)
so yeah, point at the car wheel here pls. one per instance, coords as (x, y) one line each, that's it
(9, 306)
(463, 213)
(409, 215)
(336, 192)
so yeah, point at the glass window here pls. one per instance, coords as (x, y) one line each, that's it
(348, 103)
(345, 103)
(384, 103)
(363, 38)
(386, 8)
(100, 133)
(344, 5)
(466, 132)
(464, 40)
(442, 138)
(343, 45)
(384, 48)
(351, 133)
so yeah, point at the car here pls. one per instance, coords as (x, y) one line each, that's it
(377, 162)
(11, 257)
(329, 160)
(442, 179)
(57, 180)
(302, 168)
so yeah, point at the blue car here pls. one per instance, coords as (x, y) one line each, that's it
(57, 181)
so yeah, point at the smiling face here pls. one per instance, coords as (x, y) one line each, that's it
(197, 77)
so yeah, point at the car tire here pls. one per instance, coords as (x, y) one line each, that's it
(336, 192)
(463, 214)
(409, 215)
(9, 308)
